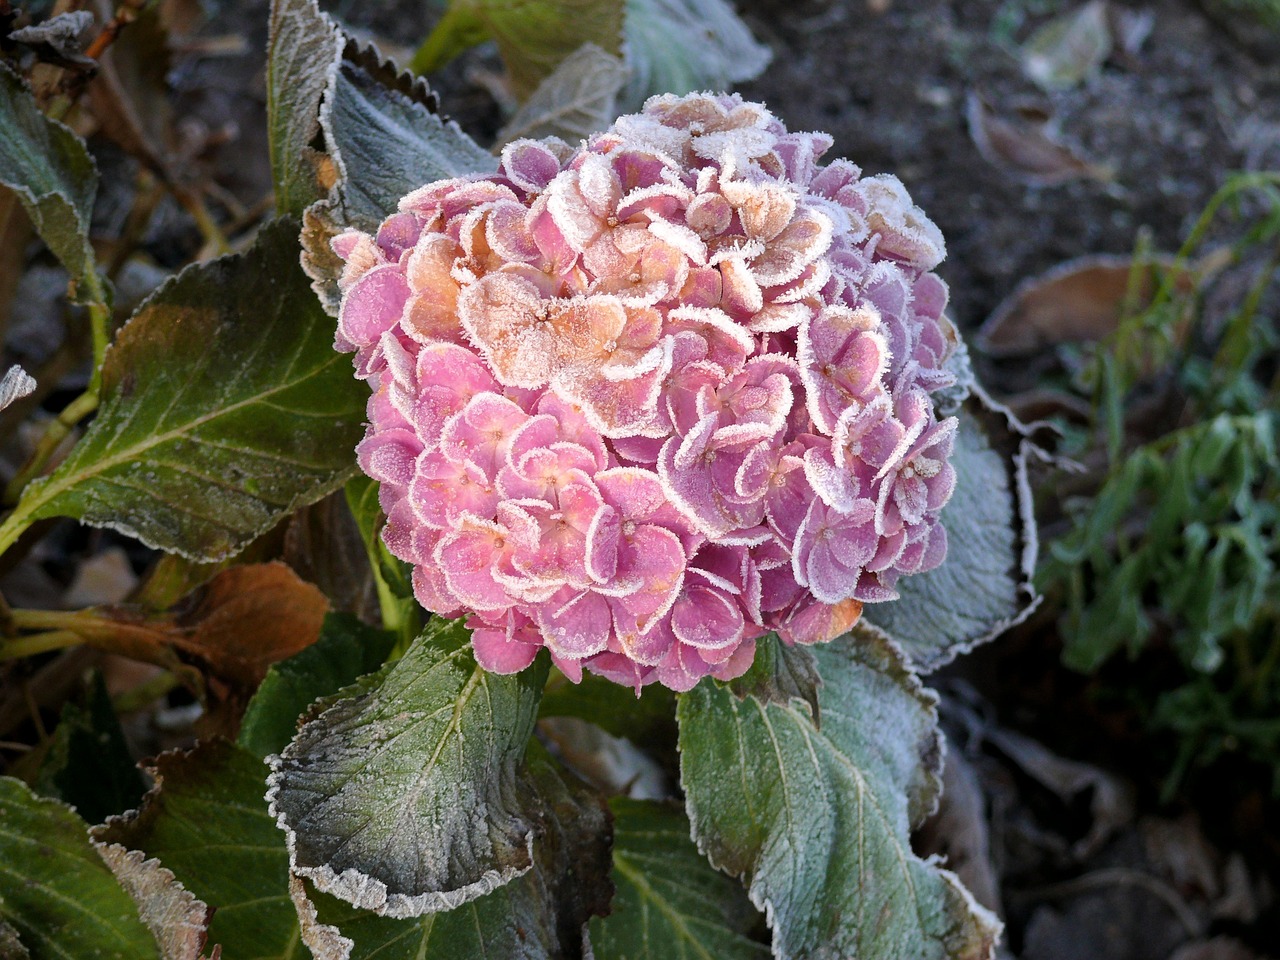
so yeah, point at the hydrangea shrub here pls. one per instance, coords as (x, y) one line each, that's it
(674, 404)
(645, 401)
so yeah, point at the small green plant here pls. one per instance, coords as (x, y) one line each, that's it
(1180, 544)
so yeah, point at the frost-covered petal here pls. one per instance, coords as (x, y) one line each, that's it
(643, 400)
(373, 305)
(507, 319)
(468, 556)
(575, 623)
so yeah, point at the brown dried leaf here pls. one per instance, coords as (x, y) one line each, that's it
(1026, 150)
(234, 627)
(319, 226)
(1111, 800)
(61, 39)
(958, 832)
(1081, 300)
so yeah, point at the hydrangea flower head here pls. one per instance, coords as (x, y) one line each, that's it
(645, 401)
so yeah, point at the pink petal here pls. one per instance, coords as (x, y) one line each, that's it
(498, 650)
(467, 557)
(575, 624)
(373, 305)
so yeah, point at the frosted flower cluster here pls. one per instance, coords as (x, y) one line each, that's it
(644, 401)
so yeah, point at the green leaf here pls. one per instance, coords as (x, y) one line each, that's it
(780, 674)
(207, 821)
(648, 720)
(50, 171)
(57, 894)
(178, 921)
(345, 650)
(670, 904)
(11, 947)
(533, 36)
(386, 136)
(405, 796)
(818, 823)
(88, 764)
(224, 409)
(302, 50)
(679, 46)
(460, 29)
(538, 916)
(578, 99)
(983, 587)
(392, 576)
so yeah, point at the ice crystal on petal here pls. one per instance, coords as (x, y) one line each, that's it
(643, 401)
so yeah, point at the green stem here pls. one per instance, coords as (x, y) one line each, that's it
(459, 29)
(39, 643)
(99, 324)
(46, 446)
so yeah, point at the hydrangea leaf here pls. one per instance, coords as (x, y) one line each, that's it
(88, 764)
(578, 99)
(817, 823)
(984, 585)
(58, 896)
(11, 947)
(670, 904)
(533, 36)
(538, 916)
(178, 921)
(679, 46)
(345, 650)
(393, 577)
(781, 673)
(50, 171)
(649, 718)
(321, 222)
(303, 48)
(387, 137)
(224, 409)
(206, 820)
(406, 796)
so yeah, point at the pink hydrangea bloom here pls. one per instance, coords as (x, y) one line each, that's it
(645, 401)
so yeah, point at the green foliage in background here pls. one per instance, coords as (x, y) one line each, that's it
(1180, 545)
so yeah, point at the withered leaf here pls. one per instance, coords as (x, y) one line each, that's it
(234, 627)
(1080, 300)
(1025, 150)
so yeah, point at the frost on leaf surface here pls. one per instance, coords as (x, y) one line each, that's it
(385, 135)
(222, 410)
(817, 822)
(539, 915)
(985, 585)
(648, 400)
(406, 795)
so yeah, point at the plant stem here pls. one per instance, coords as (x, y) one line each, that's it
(99, 323)
(39, 643)
(46, 446)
